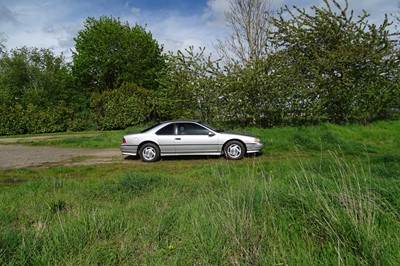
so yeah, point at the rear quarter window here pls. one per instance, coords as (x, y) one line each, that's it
(167, 130)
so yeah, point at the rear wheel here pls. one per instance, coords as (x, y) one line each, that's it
(149, 152)
(234, 150)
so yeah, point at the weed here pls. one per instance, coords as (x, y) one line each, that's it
(56, 206)
(132, 185)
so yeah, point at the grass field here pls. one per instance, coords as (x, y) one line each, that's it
(325, 195)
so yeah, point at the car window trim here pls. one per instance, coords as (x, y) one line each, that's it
(173, 130)
(192, 123)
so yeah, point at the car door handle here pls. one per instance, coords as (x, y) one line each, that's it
(177, 138)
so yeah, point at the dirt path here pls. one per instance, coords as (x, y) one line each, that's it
(39, 138)
(15, 155)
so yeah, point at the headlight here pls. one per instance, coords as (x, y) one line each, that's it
(256, 140)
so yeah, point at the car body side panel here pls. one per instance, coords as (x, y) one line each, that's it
(196, 144)
(166, 144)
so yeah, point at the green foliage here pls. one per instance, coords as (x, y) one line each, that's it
(189, 86)
(322, 65)
(36, 92)
(251, 97)
(336, 67)
(23, 119)
(52, 119)
(110, 53)
(35, 76)
(325, 66)
(12, 119)
(2, 45)
(123, 107)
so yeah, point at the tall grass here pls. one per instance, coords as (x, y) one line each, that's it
(240, 214)
(296, 216)
(306, 205)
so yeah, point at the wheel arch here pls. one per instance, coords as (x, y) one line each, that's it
(229, 140)
(147, 142)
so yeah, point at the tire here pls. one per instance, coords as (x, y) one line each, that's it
(234, 150)
(149, 153)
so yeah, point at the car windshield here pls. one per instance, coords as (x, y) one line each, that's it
(212, 128)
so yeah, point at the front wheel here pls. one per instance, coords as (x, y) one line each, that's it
(149, 152)
(234, 150)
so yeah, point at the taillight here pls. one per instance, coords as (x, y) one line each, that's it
(123, 141)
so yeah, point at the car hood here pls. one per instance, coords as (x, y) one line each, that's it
(238, 134)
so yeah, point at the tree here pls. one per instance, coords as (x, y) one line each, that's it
(248, 22)
(109, 53)
(36, 89)
(397, 19)
(35, 76)
(336, 67)
(2, 45)
(189, 86)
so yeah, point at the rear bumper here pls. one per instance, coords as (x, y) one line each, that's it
(128, 149)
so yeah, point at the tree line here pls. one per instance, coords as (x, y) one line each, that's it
(304, 67)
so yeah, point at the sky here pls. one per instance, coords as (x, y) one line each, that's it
(175, 24)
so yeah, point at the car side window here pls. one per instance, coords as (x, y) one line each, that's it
(191, 129)
(167, 130)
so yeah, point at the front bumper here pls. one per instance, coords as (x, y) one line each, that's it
(254, 147)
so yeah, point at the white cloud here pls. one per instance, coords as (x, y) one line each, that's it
(216, 8)
(178, 31)
(43, 24)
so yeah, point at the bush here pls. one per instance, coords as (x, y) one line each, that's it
(51, 119)
(20, 119)
(120, 108)
(11, 119)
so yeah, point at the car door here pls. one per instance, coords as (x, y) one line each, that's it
(193, 138)
(166, 139)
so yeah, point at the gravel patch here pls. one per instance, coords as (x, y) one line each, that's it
(19, 156)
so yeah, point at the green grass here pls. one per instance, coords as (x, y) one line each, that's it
(87, 139)
(108, 139)
(318, 195)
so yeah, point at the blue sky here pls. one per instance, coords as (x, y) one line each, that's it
(175, 24)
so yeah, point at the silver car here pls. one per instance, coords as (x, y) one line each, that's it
(186, 137)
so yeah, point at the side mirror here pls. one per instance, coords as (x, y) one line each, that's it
(211, 134)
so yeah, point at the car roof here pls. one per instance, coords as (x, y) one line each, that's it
(181, 121)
